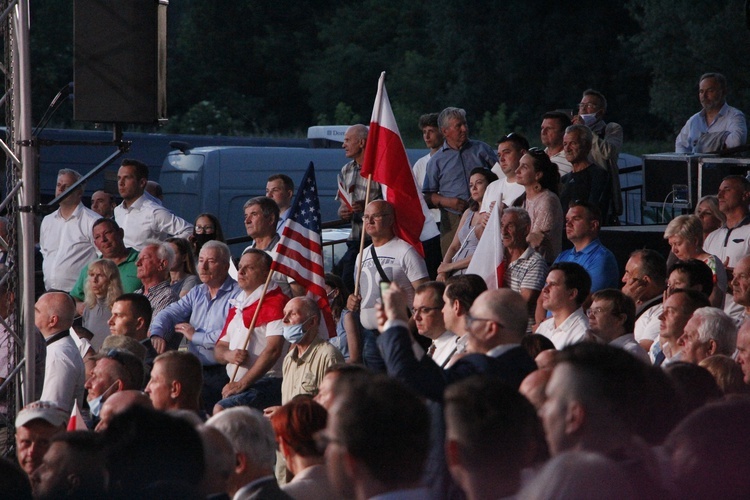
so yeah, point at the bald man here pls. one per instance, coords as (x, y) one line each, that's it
(64, 373)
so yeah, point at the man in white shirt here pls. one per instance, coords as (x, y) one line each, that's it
(65, 237)
(505, 190)
(565, 290)
(428, 317)
(64, 374)
(433, 139)
(140, 215)
(554, 124)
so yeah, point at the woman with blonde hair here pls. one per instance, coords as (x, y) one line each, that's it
(685, 236)
(707, 210)
(101, 289)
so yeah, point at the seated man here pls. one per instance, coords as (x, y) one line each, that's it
(644, 281)
(491, 436)
(131, 317)
(35, 425)
(428, 318)
(611, 320)
(587, 181)
(199, 316)
(582, 223)
(108, 240)
(460, 293)
(708, 332)
(153, 265)
(718, 125)
(566, 289)
(496, 326)
(176, 382)
(254, 369)
(677, 310)
(115, 371)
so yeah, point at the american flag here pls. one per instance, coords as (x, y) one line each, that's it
(300, 249)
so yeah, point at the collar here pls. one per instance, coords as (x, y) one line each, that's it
(54, 338)
(301, 359)
(723, 111)
(76, 214)
(463, 146)
(593, 244)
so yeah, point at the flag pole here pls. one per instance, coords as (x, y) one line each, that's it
(253, 321)
(362, 239)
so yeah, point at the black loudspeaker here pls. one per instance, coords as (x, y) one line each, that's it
(120, 66)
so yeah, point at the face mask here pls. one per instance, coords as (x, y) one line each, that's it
(294, 333)
(95, 405)
(201, 239)
(588, 119)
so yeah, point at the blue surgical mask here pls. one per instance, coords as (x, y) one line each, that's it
(294, 333)
(588, 119)
(95, 405)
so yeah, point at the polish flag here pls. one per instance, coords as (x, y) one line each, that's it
(386, 160)
(76, 422)
(488, 260)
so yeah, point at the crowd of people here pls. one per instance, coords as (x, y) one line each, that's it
(167, 369)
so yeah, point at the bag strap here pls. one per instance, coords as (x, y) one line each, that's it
(375, 259)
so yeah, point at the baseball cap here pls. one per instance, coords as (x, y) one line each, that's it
(45, 410)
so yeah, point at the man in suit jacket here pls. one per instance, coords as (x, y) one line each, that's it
(496, 323)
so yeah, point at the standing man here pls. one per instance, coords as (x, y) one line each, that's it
(261, 221)
(606, 143)
(199, 316)
(717, 125)
(108, 239)
(396, 261)
(446, 184)
(505, 190)
(140, 215)
(352, 189)
(731, 241)
(554, 124)
(104, 204)
(258, 367)
(433, 139)
(280, 188)
(64, 373)
(587, 181)
(65, 238)
(582, 223)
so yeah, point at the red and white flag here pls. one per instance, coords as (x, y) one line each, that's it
(76, 421)
(488, 260)
(386, 160)
(299, 252)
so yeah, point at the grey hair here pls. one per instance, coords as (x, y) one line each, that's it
(716, 325)
(75, 174)
(448, 113)
(221, 247)
(584, 135)
(522, 216)
(249, 432)
(359, 130)
(164, 251)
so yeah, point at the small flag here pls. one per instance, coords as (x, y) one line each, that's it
(76, 422)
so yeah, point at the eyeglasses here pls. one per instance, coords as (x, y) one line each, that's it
(587, 105)
(204, 229)
(421, 311)
(596, 311)
(374, 217)
(471, 319)
(323, 439)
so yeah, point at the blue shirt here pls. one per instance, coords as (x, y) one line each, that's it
(448, 169)
(730, 120)
(205, 314)
(598, 261)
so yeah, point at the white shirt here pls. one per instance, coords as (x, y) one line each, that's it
(64, 373)
(627, 342)
(145, 219)
(501, 190)
(563, 165)
(570, 331)
(419, 169)
(732, 244)
(647, 325)
(67, 246)
(445, 347)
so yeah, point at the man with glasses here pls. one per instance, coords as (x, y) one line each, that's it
(496, 324)
(566, 289)
(446, 183)
(428, 317)
(280, 188)
(606, 142)
(554, 124)
(612, 319)
(397, 261)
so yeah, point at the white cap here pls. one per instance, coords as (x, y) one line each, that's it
(45, 410)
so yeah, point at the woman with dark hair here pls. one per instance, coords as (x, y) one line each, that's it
(470, 228)
(347, 339)
(541, 179)
(295, 424)
(183, 275)
(206, 228)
